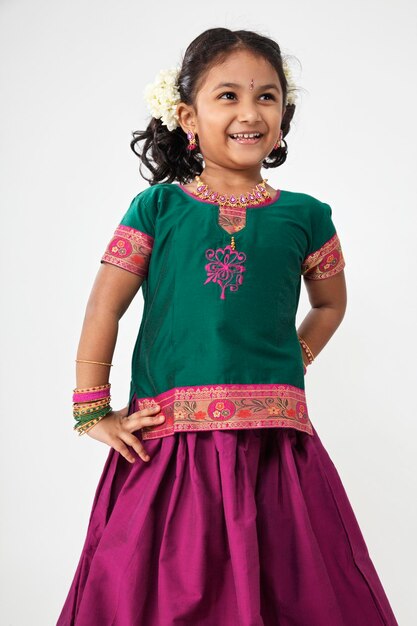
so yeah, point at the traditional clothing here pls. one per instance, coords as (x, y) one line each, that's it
(240, 516)
(217, 347)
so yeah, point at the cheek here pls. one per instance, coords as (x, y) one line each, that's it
(211, 134)
(213, 123)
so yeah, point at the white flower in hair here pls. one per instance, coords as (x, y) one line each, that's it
(162, 97)
(291, 86)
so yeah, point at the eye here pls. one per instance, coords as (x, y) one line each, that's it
(228, 93)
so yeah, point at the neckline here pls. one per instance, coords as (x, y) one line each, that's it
(268, 202)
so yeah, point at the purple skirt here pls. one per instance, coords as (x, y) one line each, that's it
(242, 528)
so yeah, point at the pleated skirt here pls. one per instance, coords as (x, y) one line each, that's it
(247, 527)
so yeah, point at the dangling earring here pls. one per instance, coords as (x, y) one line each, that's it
(278, 142)
(191, 140)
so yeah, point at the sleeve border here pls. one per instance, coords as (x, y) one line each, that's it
(325, 262)
(130, 249)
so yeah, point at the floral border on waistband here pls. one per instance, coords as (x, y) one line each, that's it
(227, 407)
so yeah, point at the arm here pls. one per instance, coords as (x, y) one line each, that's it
(328, 299)
(111, 295)
(113, 290)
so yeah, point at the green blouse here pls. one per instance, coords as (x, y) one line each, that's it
(217, 346)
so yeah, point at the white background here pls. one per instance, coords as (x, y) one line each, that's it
(72, 76)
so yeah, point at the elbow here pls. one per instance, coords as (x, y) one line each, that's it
(338, 307)
(96, 310)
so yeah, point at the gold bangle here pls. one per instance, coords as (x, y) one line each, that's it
(97, 362)
(88, 389)
(93, 404)
(84, 428)
(309, 353)
(80, 412)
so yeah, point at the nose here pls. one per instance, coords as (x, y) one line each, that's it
(248, 111)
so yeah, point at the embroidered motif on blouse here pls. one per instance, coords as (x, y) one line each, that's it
(228, 406)
(226, 269)
(130, 249)
(324, 262)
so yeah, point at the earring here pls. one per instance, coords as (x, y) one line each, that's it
(191, 140)
(277, 144)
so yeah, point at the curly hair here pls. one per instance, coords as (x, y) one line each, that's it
(164, 152)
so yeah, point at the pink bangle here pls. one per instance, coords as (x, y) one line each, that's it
(89, 396)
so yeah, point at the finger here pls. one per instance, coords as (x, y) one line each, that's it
(122, 448)
(135, 423)
(151, 410)
(133, 441)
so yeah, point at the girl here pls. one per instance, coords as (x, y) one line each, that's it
(218, 503)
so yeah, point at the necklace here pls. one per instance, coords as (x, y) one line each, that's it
(226, 264)
(258, 195)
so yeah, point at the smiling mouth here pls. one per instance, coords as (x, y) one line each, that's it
(246, 138)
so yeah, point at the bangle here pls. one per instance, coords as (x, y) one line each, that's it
(87, 396)
(99, 412)
(83, 408)
(309, 353)
(84, 428)
(105, 386)
(90, 405)
(97, 362)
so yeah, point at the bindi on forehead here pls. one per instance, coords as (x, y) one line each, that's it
(251, 86)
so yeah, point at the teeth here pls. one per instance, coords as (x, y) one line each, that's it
(246, 135)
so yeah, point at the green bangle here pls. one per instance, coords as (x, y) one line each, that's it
(99, 413)
(90, 411)
(86, 427)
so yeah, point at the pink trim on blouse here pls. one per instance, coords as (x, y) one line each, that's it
(227, 406)
(324, 262)
(129, 249)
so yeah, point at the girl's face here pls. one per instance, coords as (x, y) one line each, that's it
(250, 102)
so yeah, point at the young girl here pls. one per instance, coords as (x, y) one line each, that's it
(218, 503)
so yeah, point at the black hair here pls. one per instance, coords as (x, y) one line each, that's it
(164, 152)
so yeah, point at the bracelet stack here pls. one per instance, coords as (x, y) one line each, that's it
(308, 352)
(90, 406)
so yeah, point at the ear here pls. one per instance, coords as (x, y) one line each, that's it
(186, 117)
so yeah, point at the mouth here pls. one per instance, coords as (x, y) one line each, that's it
(246, 138)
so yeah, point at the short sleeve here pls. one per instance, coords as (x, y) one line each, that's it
(131, 244)
(324, 257)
